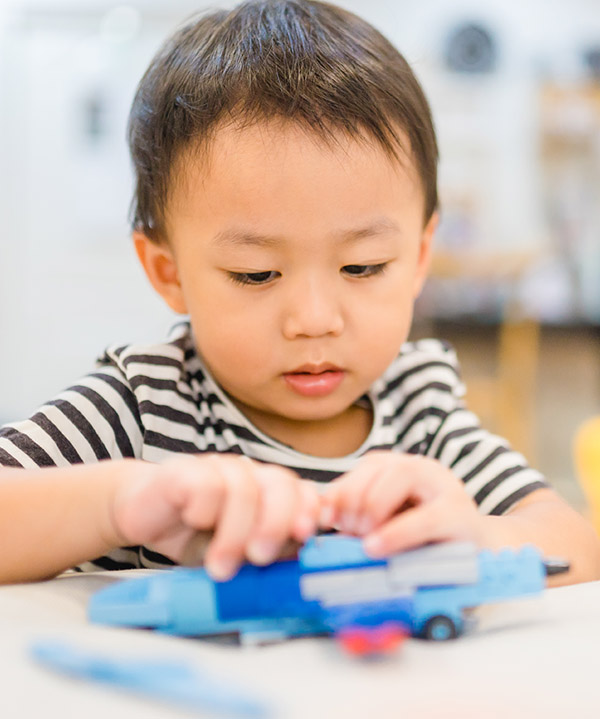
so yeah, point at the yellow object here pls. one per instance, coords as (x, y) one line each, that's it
(587, 463)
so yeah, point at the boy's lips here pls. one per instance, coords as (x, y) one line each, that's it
(314, 380)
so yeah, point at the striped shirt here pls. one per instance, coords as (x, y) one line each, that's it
(155, 401)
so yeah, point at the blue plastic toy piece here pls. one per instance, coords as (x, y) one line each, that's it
(170, 681)
(332, 551)
(331, 587)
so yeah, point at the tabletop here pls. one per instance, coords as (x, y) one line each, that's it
(532, 657)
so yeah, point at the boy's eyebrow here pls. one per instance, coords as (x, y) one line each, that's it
(238, 237)
(377, 227)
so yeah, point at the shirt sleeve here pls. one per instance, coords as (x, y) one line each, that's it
(95, 419)
(494, 474)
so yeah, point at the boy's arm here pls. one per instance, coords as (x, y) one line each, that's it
(53, 519)
(546, 520)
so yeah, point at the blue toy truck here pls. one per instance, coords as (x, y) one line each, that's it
(331, 588)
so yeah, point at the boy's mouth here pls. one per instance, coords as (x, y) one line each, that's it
(314, 380)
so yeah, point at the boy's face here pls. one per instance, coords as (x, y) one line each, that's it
(298, 264)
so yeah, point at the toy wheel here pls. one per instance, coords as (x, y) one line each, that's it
(439, 628)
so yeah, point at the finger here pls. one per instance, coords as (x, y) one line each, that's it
(140, 511)
(413, 528)
(391, 493)
(307, 517)
(195, 550)
(406, 482)
(153, 507)
(342, 503)
(198, 489)
(236, 521)
(277, 506)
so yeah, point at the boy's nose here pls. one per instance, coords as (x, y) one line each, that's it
(313, 310)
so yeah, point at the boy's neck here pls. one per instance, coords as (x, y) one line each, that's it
(333, 437)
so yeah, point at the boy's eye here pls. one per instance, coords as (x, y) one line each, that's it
(253, 278)
(364, 270)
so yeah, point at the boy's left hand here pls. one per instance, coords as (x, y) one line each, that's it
(399, 501)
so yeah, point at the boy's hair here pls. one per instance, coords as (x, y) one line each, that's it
(309, 62)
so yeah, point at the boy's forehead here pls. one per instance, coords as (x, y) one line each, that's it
(279, 140)
(282, 160)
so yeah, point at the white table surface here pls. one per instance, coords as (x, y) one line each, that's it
(535, 657)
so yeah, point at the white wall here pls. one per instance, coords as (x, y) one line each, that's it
(69, 283)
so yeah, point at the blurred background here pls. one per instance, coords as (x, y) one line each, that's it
(515, 91)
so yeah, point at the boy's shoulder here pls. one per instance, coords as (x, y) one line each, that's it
(423, 364)
(173, 352)
(424, 379)
(428, 350)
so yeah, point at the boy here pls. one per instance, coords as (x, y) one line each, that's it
(286, 201)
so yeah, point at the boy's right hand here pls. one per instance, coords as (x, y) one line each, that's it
(252, 509)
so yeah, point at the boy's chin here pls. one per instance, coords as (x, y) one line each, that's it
(297, 413)
(316, 414)
(298, 409)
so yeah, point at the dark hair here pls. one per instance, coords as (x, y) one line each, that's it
(310, 62)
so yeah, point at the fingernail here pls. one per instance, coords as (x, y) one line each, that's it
(373, 545)
(221, 569)
(261, 551)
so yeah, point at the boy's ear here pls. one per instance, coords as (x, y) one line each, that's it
(159, 264)
(424, 258)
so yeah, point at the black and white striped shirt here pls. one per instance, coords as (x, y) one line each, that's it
(155, 401)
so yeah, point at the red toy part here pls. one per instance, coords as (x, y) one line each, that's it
(369, 641)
